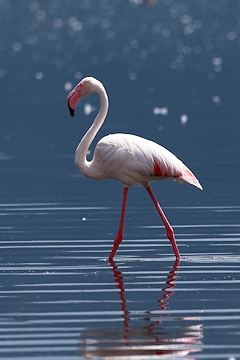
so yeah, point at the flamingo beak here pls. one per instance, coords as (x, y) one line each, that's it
(72, 99)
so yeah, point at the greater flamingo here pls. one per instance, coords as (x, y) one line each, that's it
(127, 158)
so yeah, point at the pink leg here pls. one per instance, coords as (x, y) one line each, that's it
(169, 229)
(119, 236)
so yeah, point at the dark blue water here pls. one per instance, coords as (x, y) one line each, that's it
(171, 70)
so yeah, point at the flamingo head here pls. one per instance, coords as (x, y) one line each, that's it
(86, 87)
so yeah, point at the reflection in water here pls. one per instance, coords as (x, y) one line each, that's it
(148, 336)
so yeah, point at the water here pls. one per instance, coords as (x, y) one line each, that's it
(60, 297)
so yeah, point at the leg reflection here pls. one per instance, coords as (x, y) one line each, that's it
(119, 281)
(170, 285)
(145, 333)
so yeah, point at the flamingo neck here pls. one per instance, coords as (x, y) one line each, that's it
(81, 162)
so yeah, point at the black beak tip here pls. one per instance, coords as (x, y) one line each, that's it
(70, 110)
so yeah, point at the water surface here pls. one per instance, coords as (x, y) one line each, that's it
(172, 75)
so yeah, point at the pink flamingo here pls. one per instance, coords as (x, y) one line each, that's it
(127, 158)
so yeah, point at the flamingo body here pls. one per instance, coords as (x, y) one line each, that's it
(128, 158)
(133, 160)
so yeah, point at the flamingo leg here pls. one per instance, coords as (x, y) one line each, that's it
(119, 237)
(169, 229)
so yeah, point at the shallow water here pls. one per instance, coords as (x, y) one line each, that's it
(171, 73)
(61, 298)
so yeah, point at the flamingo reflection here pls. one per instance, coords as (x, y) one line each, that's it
(161, 335)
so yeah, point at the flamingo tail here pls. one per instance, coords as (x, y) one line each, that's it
(190, 178)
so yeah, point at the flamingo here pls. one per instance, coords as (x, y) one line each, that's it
(128, 158)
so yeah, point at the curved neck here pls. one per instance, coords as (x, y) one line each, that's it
(83, 165)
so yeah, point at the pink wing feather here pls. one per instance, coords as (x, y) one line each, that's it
(176, 169)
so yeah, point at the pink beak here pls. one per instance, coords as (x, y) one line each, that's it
(72, 99)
